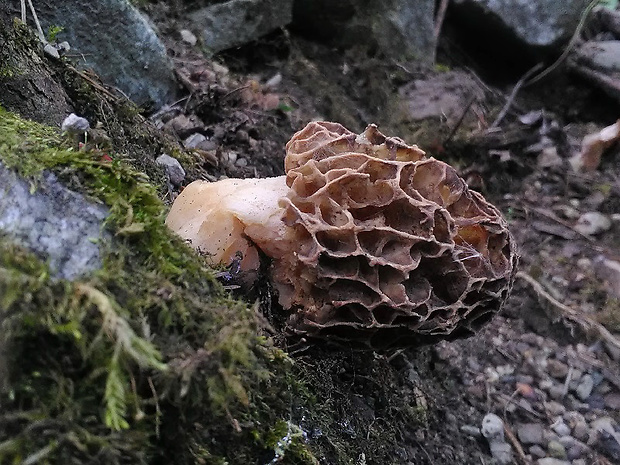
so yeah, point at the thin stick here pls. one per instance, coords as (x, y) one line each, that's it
(586, 323)
(441, 15)
(457, 125)
(569, 47)
(560, 221)
(23, 5)
(93, 83)
(516, 445)
(36, 22)
(513, 95)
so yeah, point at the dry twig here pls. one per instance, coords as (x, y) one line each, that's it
(589, 325)
(516, 445)
(441, 14)
(513, 95)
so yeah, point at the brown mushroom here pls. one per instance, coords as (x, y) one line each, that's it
(371, 241)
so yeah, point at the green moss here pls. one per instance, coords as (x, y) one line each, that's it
(150, 344)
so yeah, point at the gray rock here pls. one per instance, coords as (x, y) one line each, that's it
(537, 451)
(235, 22)
(591, 223)
(584, 389)
(556, 449)
(194, 140)
(188, 37)
(554, 408)
(59, 225)
(580, 430)
(560, 428)
(552, 461)
(501, 452)
(118, 42)
(537, 23)
(603, 56)
(557, 369)
(530, 433)
(74, 124)
(471, 430)
(400, 29)
(492, 427)
(175, 171)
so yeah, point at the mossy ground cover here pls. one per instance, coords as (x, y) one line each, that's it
(146, 361)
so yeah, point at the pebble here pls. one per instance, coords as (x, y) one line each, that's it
(530, 433)
(556, 449)
(580, 430)
(560, 428)
(585, 386)
(493, 431)
(612, 401)
(194, 140)
(537, 451)
(552, 461)
(603, 424)
(175, 171)
(492, 427)
(557, 391)
(74, 124)
(471, 430)
(554, 408)
(241, 162)
(184, 126)
(557, 369)
(188, 37)
(592, 223)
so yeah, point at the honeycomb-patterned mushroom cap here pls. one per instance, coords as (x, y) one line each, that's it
(392, 248)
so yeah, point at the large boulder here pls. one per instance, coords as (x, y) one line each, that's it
(537, 23)
(401, 29)
(235, 22)
(118, 42)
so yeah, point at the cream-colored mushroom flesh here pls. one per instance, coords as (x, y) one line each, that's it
(229, 216)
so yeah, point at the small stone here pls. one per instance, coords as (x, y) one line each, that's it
(554, 408)
(557, 369)
(556, 449)
(188, 37)
(557, 391)
(74, 124)
(242, 136)
(194, 140)
(585, 386)
(537, 451)
(604, 424)
(530, 433)
(471, 430)
(184, 126)
(576, 451)
(612, 401)
(501, 452)
(592, 223)
(552, 461)
(51, 51)
(232, 157)
(241, 162)
(579, 462)
(580, 430)
(492, 427)
(560, 428)
(175, 171)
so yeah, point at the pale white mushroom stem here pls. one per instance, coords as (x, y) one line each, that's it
(230, 216)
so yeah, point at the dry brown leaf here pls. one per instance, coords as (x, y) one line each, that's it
(593, 146)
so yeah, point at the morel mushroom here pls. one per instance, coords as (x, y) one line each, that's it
(371, 241)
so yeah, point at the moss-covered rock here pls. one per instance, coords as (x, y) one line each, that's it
(148, 359)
